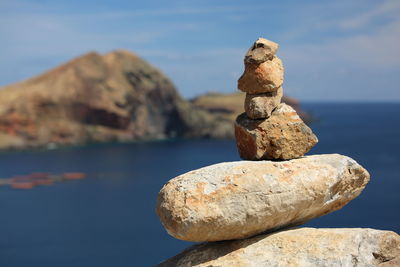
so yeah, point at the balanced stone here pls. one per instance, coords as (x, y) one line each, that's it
(262, 78)
(261, 51)
(282, 136)
(260, 106)
(235, 200)
(298, 247)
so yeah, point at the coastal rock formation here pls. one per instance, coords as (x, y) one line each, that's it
(262, 78)
(260, 106)
(298, 247)
(94, 98)
(282, 136)
(248, 201)
(235, 200)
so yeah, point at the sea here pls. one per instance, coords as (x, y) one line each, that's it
(108, 218)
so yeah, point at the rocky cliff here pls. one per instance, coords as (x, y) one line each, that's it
(113, 97)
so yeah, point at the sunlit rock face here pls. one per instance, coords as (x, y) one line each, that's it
(262, 78)
(268, 129)
(261, 106)
(234, 200)
(262, 50)
(282, 136)
(298, 247)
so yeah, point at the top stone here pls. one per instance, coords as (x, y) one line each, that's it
(261, 51)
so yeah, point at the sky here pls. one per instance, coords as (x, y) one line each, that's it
(331, 50)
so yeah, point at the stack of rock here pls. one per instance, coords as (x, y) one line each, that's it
(268, 129)
(251, 205)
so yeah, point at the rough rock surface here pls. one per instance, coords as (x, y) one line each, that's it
(298, 247)
(236, 200)
(260, 106)
(261, 51)
(231, 105)
(262, 78)
(117, 96)
(282, 136)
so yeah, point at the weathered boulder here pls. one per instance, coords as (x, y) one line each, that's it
(282, 136)
(262, 78)
(240, 199)
(261, 51)
(260, 106)
(298, 247)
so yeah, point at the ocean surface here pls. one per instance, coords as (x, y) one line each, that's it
(108, 219)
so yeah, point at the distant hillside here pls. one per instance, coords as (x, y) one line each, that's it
(96, 98)
(231, 105)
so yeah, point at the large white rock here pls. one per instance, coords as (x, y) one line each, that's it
(240, 199)
(298, 247)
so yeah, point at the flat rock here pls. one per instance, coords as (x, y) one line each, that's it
(282, 136)
(298, 247)
(262, 78)
(260, 106)
(261, 51)
(234, 200)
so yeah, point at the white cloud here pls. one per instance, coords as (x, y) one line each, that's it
(370, 49)
(316, 48)
(358, 60)
(389, 9)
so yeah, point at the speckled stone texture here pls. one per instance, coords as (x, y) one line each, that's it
(240, 199)
(298, 247)
(282, 136)
(262, 78)
(260, 106)
(261, 51)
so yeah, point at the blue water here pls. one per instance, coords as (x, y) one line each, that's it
(108, 219)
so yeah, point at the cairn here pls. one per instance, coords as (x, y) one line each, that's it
(241, 201)
(268, 129)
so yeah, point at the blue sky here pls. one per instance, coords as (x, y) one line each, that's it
(331, 50)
